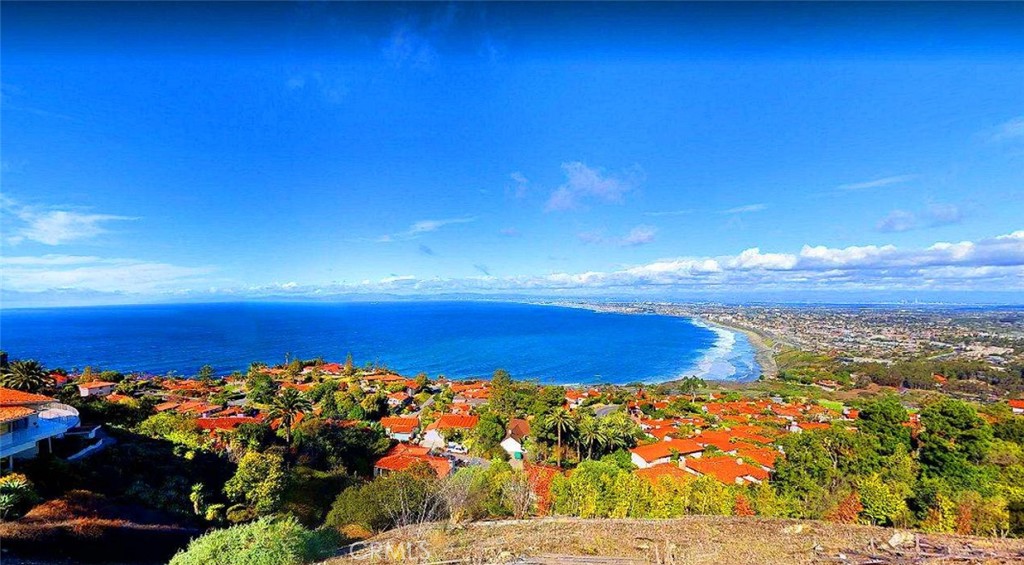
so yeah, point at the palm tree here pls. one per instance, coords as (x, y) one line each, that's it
(591, 433)
(27, 375)
(286, 405)
(562, 421)
(614, 436)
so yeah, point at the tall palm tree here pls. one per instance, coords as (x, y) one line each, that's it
(591, 433)
(562, 422)
(614, 436)
(28, 376)
(287, 405)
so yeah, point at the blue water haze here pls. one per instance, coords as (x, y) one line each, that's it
(458, 339)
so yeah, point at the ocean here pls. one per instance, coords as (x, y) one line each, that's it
(465, 339)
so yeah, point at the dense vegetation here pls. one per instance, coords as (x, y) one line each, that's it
(299, 482)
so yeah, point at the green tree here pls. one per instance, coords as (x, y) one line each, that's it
(28, 376)
(260, 387)
(560, 421)
(591, 434)
(954, 441)
(884, 418)
(1010, 429)
(267, 541)
(288, 404)
(503, 400)
(882, 503)
(259, 482)
(488, 433)
(206, 374)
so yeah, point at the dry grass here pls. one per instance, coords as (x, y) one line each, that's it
(703, 540)
(85, 527)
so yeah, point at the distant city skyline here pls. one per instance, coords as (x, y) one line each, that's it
(166, 152)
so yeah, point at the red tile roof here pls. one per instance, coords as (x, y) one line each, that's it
(225, 423)
(11, 413)
(763, 456)
(726, 469)
(402, 457)
(456, 421)
(11, 397)
(655, 474)
(400, 424)
(518, 428)
(95, 384)
(165, 406)
(661, 449)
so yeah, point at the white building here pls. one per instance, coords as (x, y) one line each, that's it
(27, 419)
(96, 388)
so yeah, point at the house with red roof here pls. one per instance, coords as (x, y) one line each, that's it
(1017, 406)
(96, 388)
(398, 399)
(403, 456)
(165, 406)
(518, 430)
(400, 428)
(26, 419)
(225, 423)
(659, 452)
(664, 471)
(448, 426)
(727, 469)
(797, 427)
(196, 408)
(301, 387)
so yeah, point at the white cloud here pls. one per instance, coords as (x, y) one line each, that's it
(50, 272)
(640, 235)
(1008, 130)
(943, 214)
(753, 259)
(421, 227)
(660, 213)
(988, 264)
(520, 185)
(897, 221)
(584, 184)
(934, 215)
(746, 209)
(877, 183)
(54, 227)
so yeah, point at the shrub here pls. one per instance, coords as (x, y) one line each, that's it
(16, 496)
(260, 481)
(266, 541)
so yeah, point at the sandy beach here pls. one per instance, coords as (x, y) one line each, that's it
(764, 355)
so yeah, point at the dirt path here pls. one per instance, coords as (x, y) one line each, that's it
(693, 540)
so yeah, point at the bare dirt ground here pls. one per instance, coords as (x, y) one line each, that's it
(704, 540)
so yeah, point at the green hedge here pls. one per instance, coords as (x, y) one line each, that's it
(267, 541)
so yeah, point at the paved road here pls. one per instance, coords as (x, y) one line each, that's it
(606, 410)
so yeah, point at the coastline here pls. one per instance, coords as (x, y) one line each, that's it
(764, 357)
(763, 354)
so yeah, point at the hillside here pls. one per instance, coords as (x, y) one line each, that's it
(704, 540)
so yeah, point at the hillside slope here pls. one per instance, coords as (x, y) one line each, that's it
(691, 540)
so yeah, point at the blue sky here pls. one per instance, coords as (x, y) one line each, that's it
(165, 152)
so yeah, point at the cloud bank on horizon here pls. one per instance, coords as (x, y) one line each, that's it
(995, 263)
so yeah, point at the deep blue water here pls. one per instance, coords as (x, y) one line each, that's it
(457, 339)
